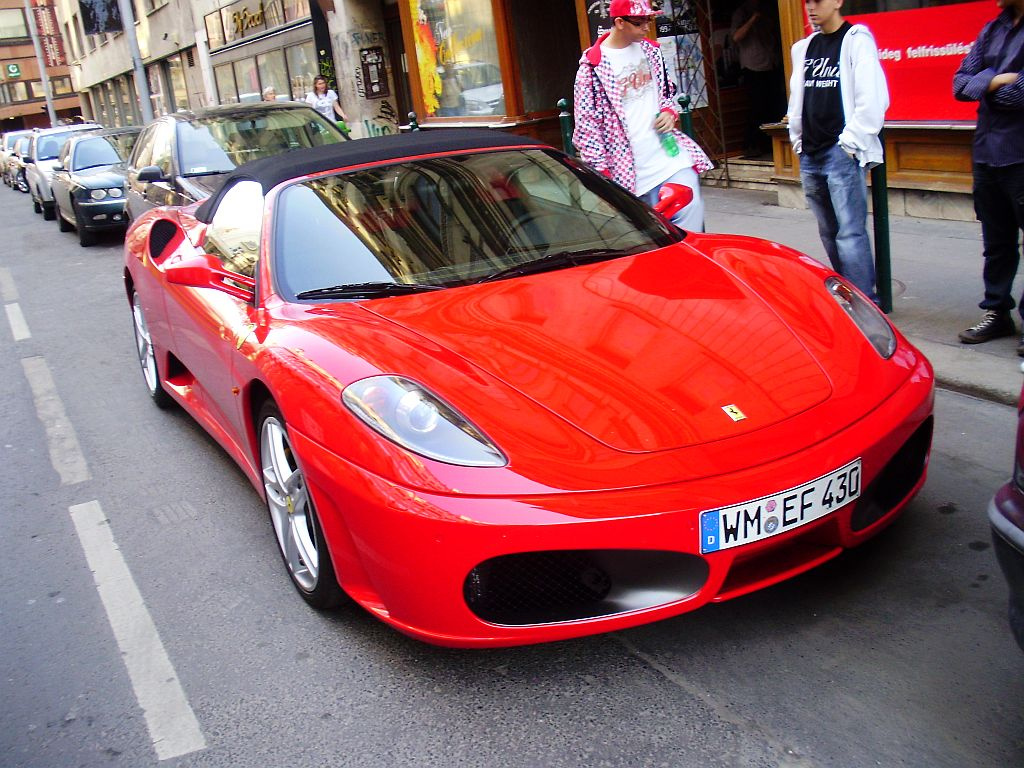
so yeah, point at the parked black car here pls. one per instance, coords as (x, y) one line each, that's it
(88, 183)
(1006, 513)
(182, 157)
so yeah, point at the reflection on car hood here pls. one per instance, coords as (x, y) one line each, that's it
(102, 176)
(643, 353)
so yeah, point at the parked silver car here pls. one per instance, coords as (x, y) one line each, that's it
(7, 150)
(41, 162)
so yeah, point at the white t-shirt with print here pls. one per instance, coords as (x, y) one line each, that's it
(323, 104)
(640, 100)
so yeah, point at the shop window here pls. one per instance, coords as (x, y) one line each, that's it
(273, 13)
(248, 81)
(227, 92)
(36, 90)
(542, 27)
(61, 86)
(457, 57)
(302, 68)
(273, 73)
(12, 24)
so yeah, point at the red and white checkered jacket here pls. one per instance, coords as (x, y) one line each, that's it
(600, 133)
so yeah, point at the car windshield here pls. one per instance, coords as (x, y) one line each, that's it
(50, 145)
(90, 153)
(455, 220)
(218, 144)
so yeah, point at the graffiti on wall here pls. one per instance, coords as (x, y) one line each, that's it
(384, 123)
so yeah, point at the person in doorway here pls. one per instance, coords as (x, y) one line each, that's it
(626, 117)
(325, 101)
(755, 33)
(991, 74)
(837, 103)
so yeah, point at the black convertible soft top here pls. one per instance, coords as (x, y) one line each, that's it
(271, 171)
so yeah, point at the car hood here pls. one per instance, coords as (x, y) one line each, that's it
(644, 353)
(102, 176)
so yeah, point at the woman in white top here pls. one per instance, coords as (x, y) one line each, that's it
(324, 100)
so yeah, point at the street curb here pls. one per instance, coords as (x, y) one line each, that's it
(996, 379)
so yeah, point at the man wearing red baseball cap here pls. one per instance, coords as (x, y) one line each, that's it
(626, 117)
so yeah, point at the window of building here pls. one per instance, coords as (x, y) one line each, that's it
(248, 81)
(273, 13)
(457, 57)
(125, 87)
(176, 78)
(227, 91)
(302, 68)
(273, 73)
(36, 90)
(214, 31)
(295, 9)
(12, 24)
(156, 89)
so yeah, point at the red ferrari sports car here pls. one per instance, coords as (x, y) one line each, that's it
(495, 399)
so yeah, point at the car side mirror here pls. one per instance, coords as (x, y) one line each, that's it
(672, 198)
(151, 173)
(28, 161)
(204, 271)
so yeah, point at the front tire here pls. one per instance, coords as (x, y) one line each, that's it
(63, 224)
(85, 236)
(300, 538)
(147, 356)
(49, 211)
(35, 205)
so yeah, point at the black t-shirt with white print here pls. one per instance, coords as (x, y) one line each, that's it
(823, 116)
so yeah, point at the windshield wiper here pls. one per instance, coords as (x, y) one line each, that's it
(354, 290)
(206, 173)
(557, 260)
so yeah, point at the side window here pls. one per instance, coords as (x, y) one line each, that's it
(162, 147)
(234, 234)
(143, 152)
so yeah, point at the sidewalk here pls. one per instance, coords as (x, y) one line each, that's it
(936, 272)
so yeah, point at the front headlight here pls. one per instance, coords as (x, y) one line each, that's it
(98, 194)
(115, 192)
(865, 315)
(408, 414)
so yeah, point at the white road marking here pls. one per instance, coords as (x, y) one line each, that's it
(172, 724)
(65, 454)
(19, 328)
(8, 292)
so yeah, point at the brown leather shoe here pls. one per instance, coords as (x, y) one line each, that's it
(994, 325)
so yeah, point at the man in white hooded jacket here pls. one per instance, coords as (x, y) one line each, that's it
(837, 103)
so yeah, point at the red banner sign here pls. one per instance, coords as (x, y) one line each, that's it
(49, 34)
(920, 50)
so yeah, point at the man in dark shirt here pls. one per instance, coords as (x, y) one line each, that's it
(991, 74)
(838, 98)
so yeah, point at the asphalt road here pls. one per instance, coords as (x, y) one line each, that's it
(896, 654)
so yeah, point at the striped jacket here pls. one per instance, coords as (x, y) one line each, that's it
(600, 134)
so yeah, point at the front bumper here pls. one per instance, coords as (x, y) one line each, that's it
(1006, 514)
(419, 561)
(97, 215)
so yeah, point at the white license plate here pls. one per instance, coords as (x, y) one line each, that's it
(783, 511)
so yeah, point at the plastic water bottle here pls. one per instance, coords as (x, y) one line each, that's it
(669, 144)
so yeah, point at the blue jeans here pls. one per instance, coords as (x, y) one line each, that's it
(837, 194)
(690, 218)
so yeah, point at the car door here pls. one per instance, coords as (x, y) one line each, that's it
(141, 155)
(210, 327)
(61, 181)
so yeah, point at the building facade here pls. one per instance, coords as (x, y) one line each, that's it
(22, 93)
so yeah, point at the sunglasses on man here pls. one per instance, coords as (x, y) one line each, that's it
(637, 21)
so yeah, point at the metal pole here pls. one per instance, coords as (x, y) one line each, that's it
(880, 219)
(565, 121)
(685, 115)
(141, 83)
(42, 63)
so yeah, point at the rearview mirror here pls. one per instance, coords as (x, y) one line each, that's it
(672, 198)
(150, 173)
(204, 271)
